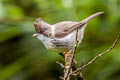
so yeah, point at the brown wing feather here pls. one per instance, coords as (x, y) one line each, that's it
(66, 27)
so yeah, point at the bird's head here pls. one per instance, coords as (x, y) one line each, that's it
(40, 27)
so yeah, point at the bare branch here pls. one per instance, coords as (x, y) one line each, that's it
(67, 72)
(60, 64)
(98, 56)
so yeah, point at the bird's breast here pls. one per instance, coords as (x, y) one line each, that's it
(61, 44)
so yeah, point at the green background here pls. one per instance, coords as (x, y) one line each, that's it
(25, 58)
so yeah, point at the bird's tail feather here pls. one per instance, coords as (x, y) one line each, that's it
(91, 17)
(83, 22)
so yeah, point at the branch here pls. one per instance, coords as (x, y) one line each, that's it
(71, 58)
(60, 64)
(98, 56)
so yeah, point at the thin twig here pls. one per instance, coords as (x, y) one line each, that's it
(68, 58)
(78, 75)
(98, 56)
(60, 64)
(67, 72)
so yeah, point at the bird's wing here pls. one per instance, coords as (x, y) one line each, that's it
(66, 27)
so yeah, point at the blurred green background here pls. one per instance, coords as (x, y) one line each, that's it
(25, 58)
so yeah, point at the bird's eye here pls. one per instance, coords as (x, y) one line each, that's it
(44, 29)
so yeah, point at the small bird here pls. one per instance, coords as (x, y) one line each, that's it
(61, 36)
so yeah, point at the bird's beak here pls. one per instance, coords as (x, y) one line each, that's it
(35, 35)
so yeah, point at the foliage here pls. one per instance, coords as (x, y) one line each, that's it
(25, 58)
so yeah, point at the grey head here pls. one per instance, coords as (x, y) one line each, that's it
(41, 27)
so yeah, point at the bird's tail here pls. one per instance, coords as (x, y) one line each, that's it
(83, 22)
(91, 17)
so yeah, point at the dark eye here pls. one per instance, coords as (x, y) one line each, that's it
(44, 29)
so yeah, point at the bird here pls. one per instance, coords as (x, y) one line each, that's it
(61, 36)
